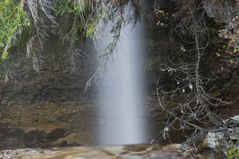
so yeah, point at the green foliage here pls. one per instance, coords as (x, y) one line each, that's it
(12, 21)
(72, 7)
(12, 18)
(83, 16)
(233, 153)
(90, 31)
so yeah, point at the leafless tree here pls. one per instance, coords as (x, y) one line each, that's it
(190, 102)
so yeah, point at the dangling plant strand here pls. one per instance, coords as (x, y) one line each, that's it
(12, 21)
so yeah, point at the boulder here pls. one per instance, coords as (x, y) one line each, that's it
(224, 137)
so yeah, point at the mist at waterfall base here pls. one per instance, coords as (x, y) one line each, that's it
(121, 97)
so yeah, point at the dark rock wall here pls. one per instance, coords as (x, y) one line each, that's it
(49, 68)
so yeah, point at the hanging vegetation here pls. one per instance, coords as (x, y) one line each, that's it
(12, 21)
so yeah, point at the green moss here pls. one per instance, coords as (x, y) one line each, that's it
(12, 18)
(70, 7)
(12, 22)
(233, 153)
(90, 31)
(64, 7)
(83, 19)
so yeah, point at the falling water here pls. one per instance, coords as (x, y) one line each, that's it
(121, 92)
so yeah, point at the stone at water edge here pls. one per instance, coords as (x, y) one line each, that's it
(212, 139)
(171, 148)
(113, 152)
(233, 121)
(227, 136)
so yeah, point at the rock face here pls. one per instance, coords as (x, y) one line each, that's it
(48, 72)
(34, 108)
(48, 125)
(43, 99)
(50, 68)
(221, 11)
(224, 138)
(43, 102)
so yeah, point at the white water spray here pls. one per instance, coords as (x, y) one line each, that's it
(121, 93)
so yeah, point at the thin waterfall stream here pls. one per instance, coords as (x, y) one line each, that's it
(110, 79)
(121, 92)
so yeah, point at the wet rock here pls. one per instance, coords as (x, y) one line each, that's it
(54, 134)
(233, 121)
(215, 10)
(213, 139)
(224, 137)
(171, 148)
(47, 124)
(113, 152)
(69, 140)
(221, 11)
(234, 134)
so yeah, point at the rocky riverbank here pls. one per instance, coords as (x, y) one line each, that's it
(47, 124)
(51, 124)
(113, 152)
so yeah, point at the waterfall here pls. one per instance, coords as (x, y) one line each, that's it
(121, 95)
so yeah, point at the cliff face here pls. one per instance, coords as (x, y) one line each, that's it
(54, 81)
(43, 101)
(221, 11)
(43, 92)
(43, 98)
(48, 68)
